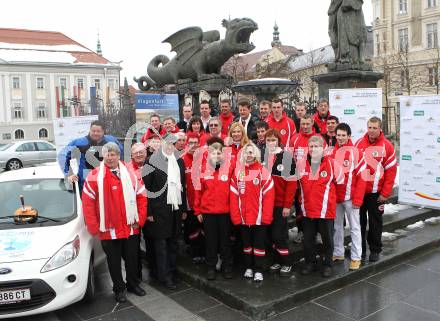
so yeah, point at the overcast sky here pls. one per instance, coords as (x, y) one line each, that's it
(132, 30)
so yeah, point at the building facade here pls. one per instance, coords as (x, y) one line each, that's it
(45, 75)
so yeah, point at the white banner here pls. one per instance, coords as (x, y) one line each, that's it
(419, 181)
(68, 128)
(355, 106)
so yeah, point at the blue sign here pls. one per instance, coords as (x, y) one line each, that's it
(157, 101)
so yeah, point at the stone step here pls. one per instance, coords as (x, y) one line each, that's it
(276, 294)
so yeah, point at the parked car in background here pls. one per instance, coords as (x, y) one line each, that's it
(26, 153)
(49, 262)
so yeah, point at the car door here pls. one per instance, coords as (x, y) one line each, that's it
(46, 152)
(27, 153)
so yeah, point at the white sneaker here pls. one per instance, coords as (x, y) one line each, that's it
(299, 238)
(285, 270)
(318, 239)
(218, 266)
(275, 267)
(258, 277)
(249, 274)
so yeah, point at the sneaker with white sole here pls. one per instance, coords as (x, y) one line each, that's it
(218, 266)
(258, 277)
(275, 268)
(285, 270)
(249, 274)
(299, 238)
(318, 239)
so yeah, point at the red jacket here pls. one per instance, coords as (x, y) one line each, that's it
(150, 133)
(226, 122)
(381, 161)
(353, 164)
(322, 123)
(90, 202)
(190, 191)
(202, 138)
(213, 195)
(318, 192)
(285, 126)
(300, 144)
(252, 195)
(282, 167)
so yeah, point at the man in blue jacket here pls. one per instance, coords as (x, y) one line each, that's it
(88, 150)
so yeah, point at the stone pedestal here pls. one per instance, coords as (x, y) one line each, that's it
(346, 79)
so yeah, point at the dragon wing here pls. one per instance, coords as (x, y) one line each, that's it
(186, 43)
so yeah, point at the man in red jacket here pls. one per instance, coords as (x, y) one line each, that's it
(350, 196)
(322, 115)
(226, 116)
(319, 174)
(381, 171)
(279, 120)
(115, 208)
(154, 129)
(191, 226)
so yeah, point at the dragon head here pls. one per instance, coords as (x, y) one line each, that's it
(238, 32)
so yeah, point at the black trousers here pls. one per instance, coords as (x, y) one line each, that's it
(298, 212)
(279, 233)
(165, 256)
(375, 223)
(254, 241)
(311, 227)
(217, 228)
(194, 235)
(115, 250)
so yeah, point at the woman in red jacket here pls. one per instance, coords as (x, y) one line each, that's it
(196, 126)
(236, 139)
(211, 206)
(281, 165)
(252, 199)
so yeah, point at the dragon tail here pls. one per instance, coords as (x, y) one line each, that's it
(153, 68)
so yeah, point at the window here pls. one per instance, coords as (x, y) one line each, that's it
(19, 134)
(98, 83)
(40, 83)
(384, 37)
(403, 78)
(26, 147)
(377, 9)
(41, 111)
(431, 33)
(80, 83)
(16, 82)
(377, 44)
(63, 82)
(18, 111)
(432, 3)
(42, 133)
(44, 146)
(111, 84)
(403, 40)
(6, 136)
(403, 6)
(432, 76)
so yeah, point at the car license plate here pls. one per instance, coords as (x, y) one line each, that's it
(13, 296)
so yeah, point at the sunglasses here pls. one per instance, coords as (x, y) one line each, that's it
(213, 125)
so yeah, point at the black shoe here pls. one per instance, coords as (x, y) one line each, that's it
(374, 257)
(198, 260)
(120, 297)
(210, 275)
(170, 285)
(326, 272)
(227, 273)
(309, 268)
(137, 290)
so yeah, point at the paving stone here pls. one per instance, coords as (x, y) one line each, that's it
(429, 261)
(194, 300)
(403, 312)
(128, 314)
(223, 313)
(427, 298)
(310, 312)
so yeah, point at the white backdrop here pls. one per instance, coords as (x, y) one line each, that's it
(419, 181)
(68, 128)
(355, 107)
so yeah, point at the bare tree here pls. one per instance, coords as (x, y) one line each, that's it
(236, 68)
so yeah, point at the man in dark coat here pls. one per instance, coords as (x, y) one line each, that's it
(165, 184)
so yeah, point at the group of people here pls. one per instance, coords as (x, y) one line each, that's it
(226, 180)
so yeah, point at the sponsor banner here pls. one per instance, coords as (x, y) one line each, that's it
(68, 128)
(419, 181)
(355, 107)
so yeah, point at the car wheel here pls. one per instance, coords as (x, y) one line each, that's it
(13, 164)
(90, 291)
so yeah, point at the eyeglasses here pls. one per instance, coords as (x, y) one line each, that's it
(213, 125)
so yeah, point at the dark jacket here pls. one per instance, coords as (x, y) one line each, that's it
(167, 223)
(183, 125)
(251, 128)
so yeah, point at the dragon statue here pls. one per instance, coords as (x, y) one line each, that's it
(199, 55)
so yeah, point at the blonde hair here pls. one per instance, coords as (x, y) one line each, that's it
(256, 151)
(244, 138)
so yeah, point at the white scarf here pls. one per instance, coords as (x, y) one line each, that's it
(174, 193)
(129, 196)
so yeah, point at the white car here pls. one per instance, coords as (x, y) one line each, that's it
(48, 264)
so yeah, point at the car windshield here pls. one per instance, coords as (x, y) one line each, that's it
(54, 201)
(4, 147)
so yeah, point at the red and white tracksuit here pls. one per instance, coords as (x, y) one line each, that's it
(226, 122)
(350, 196)
(285, 126)
(322, 123)
(149, 133)
(252, 198)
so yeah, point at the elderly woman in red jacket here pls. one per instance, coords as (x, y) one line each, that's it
(252, 199)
